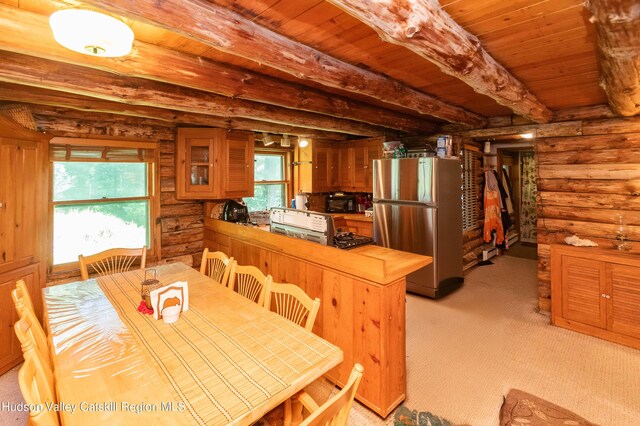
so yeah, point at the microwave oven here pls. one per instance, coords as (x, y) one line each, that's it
(340, 204)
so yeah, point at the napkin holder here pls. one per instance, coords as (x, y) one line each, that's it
(170, 295)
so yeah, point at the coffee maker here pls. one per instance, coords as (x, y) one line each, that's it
(235, 211)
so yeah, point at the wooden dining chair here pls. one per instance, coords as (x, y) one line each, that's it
(35, 379)
(112, 261)
(293, 303)
(30, 334)
(335, 411)
(21, 298)
(216, 265)
(250, 282)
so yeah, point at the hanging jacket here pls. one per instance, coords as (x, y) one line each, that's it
(492, 209)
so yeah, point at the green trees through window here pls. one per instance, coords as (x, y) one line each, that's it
(270, 188)
(97, 206)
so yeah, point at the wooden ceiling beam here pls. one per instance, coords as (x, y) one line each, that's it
(38, 72)
(51, 98)
(231, 33)
(617, 25)
(29, 33)
(423, 27)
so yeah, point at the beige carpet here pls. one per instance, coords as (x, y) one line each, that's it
(466, 351)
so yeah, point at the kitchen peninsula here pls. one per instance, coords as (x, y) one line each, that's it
(363, 299)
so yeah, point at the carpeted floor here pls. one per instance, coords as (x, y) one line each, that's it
(525, 250)
(466, 351)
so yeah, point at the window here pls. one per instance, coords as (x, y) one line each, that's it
(271, 181)
(470, 199)
(102, 197)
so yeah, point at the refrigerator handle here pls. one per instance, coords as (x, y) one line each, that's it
(406, 203)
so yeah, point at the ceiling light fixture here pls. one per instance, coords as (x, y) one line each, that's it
(267, 139)
(285, 141)
(302, 143)
(526, 135)
(85, 30)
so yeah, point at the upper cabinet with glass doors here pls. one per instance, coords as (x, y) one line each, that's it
(213, 164)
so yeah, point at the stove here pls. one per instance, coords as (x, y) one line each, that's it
(347, 240)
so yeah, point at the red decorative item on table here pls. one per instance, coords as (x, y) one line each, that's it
(142, 307)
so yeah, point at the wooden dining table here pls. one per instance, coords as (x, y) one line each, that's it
(225, 361)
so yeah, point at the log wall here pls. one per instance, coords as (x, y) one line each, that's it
(181, 222)
(584, 182)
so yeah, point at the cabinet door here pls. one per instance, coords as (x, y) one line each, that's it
(345, 166)
(583, 287)
(623, 312)
(239, 164)
(374, 152)
(22, 209)
(322, 168)
(10, 351)
(359, 167)
(8, 208)
(194, 164)
(334, 167)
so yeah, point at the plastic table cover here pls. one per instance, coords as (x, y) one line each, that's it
(225, 361)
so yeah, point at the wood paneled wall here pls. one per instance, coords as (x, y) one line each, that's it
(583, 182)
(181, 222)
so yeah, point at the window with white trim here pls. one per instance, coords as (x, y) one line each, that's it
(271, 179)
(103, 196)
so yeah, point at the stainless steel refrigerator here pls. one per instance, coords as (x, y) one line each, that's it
(417, 207)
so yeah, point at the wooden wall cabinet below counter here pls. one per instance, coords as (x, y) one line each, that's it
(362, 293)
(596, 291)
(357, 224)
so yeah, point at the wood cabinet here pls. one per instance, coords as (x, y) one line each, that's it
(355, 170)
(214, 164)
(338, 166)
(315, 168)
(357, 224)
(596, 291)
(23, 225)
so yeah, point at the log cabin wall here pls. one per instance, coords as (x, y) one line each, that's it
(181, 222)
(587, 171)
(583, 182)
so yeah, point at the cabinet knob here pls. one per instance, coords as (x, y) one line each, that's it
(606, 296)
(1, 205)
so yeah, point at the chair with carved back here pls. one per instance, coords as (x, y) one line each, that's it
(216, 265)
(35, 377)
(291, 302)
(250, 282)
(21, 298)
(112, 261)
(32, 334)
(335, 411)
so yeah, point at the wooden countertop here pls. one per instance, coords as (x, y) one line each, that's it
(379, 265)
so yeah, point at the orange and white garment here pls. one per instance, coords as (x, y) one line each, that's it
(492, 209)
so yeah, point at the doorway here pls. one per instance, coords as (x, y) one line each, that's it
(516, 167)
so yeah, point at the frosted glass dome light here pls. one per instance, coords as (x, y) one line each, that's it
(88, 31)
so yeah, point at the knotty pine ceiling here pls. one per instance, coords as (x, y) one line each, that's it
(548, 45)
